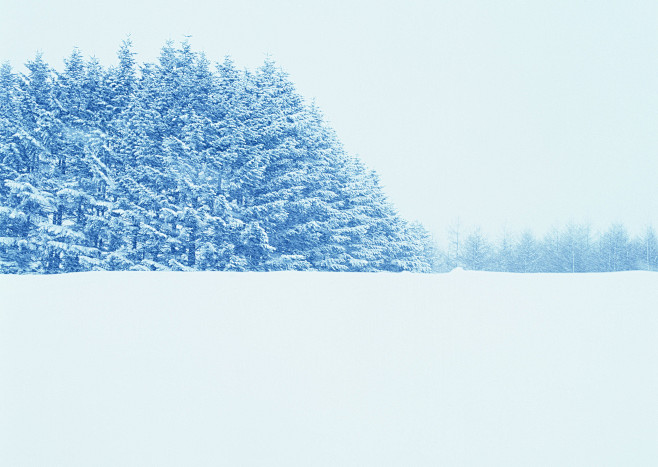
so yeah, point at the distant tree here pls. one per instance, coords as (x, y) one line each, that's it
(614, 252)
(503, 254)
(648, 250)
(575, 249)
(477, 251)
(552, 259)
(456, 244)
(527, 254)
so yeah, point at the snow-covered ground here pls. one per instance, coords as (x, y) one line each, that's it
(321, 369)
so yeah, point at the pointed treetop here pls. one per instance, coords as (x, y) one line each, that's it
(37, 65)
(6, 74)
(126, 55)
(74, 65)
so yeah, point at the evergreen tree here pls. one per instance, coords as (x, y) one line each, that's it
(175, 166)
(648, 250)
(527, 255)
(477, 251)
(614, 249)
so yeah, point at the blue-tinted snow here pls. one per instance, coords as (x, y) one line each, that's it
(321, 369)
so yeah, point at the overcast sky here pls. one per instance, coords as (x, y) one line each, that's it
(506, 113)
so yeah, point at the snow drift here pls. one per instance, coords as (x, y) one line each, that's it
(322, 369)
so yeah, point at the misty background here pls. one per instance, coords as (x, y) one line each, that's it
(506, 115)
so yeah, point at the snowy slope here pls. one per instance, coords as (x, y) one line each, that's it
(322, 369)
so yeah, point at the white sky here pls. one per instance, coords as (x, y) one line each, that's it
(506, 113)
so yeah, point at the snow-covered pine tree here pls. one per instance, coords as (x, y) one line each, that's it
(174, 165)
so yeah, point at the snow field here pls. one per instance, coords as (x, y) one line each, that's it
(327, 369)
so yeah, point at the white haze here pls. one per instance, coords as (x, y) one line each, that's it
(505, 113)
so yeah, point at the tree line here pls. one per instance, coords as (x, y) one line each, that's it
(184, 165)
(572, 248)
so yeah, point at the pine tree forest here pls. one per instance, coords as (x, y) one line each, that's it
(184, 165)
(189, 165)
(573, 248)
